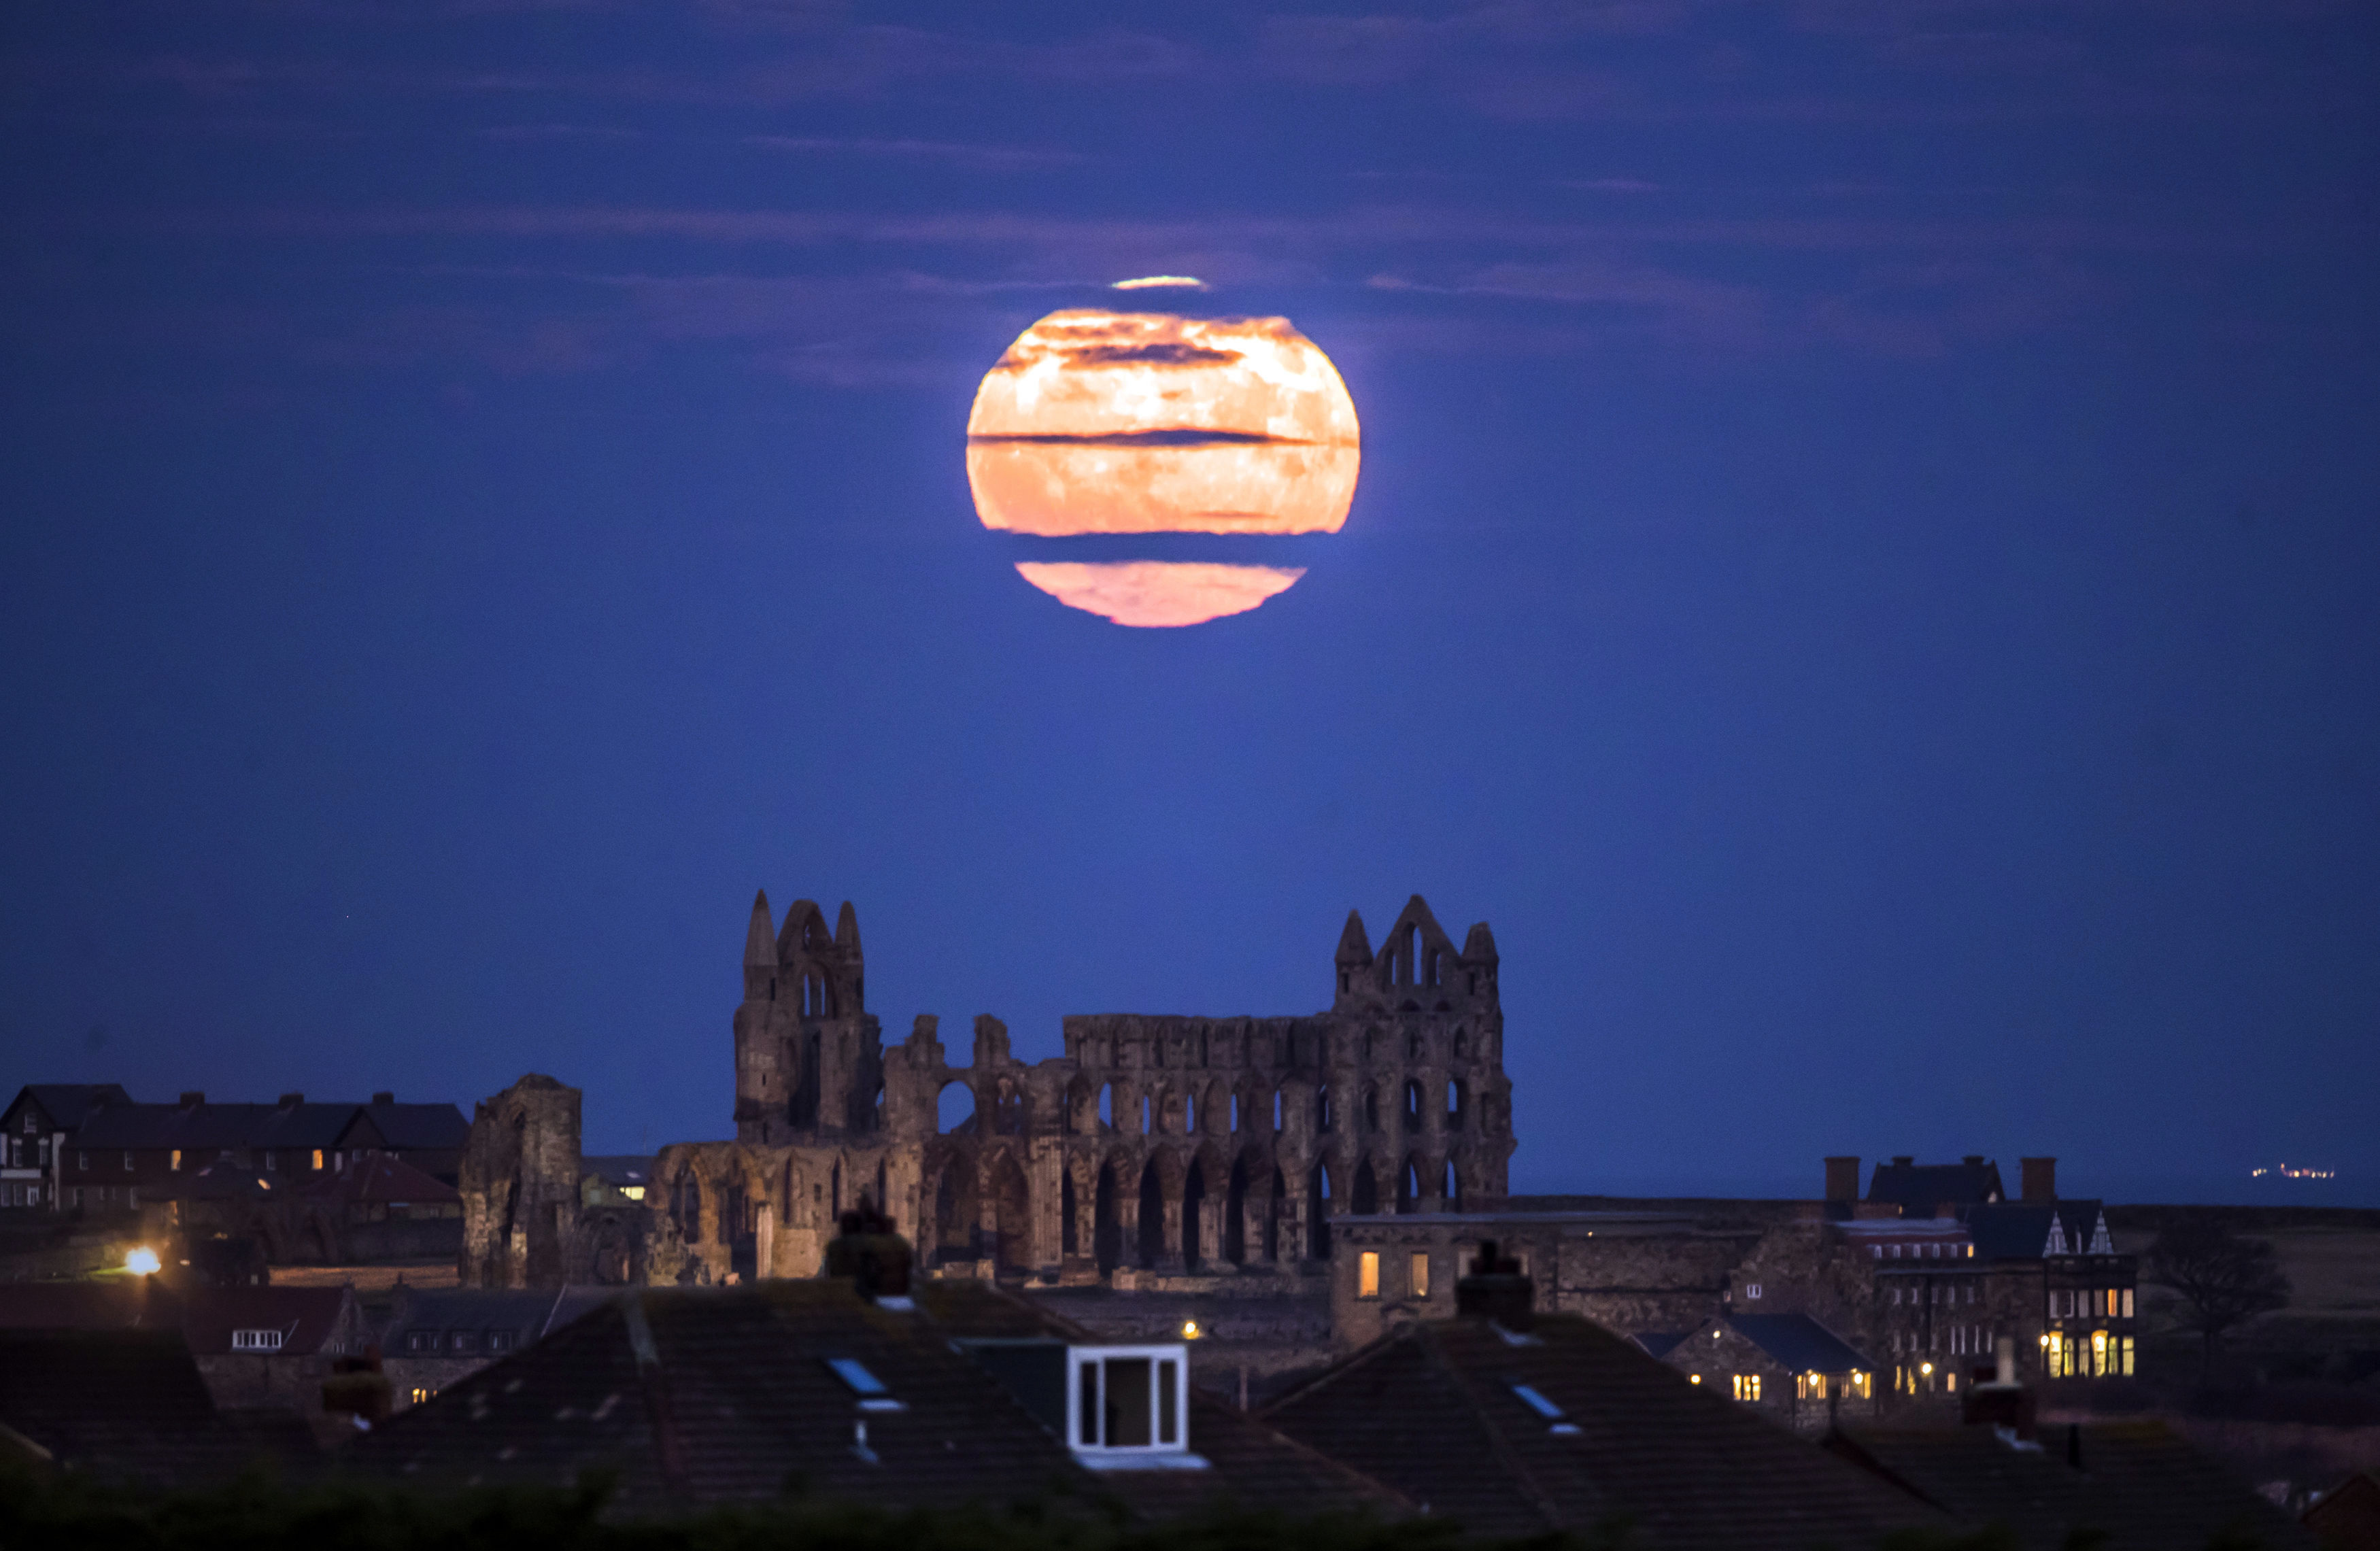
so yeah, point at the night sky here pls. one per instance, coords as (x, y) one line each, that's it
(1864, 573)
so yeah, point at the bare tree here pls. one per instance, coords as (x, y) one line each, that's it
(2224, 1281)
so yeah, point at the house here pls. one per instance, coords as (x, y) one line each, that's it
(1786, 1365)
(270, 1348)
(34, 1130)
(126, 1402)
(2115, 1485)
(253, 1348)
(1512, 1422)
(428, 1136)
(433, 1337)
(1922, 1190)
(2083, 1294)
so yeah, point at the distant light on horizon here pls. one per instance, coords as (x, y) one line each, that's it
(2285, 1171)
(1154, 281)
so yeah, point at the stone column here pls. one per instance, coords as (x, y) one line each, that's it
(1169, 1258)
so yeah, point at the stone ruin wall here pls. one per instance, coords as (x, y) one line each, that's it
(1155, 1145)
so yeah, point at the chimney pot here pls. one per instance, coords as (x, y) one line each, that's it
(385, 1097)
(291, 1100)
(1903, 1161)
(2040, 1177)
(1842, 1179)
(1972, 1161)
(193, 1098)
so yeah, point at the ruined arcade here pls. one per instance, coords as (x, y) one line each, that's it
(1156, 1146)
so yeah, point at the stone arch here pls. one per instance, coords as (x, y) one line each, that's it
(1413, 1107)
(1410, 1184)
(1324, 1120)
(1079, 1114)
(1318, 1202)
(1170, 1103)
(1457, 1102)
(954, 1108)
(1451, 1191)
(951, 1202)
(1371, 1110)
(1106, 1214)
(1009, 1107)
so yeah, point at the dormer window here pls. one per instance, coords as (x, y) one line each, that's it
(256, 1340)
(1128, 1407)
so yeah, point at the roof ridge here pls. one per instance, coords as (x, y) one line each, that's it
(1362, 1356)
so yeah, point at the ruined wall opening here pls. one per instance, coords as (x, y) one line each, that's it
(1069, 1230)
(1454, 1097)
(955, 1107)
(1106, 1107)
(1010, 1238)
(1409, 1186)
(1413, 1107)
(1365, 1199)
(1322, 1116)
(1317, 1213)
(1194, 1197)
(1152, 1217)
(1371, 1110)
(1235, 1208)
(1454, 1189)
(1107, 1228)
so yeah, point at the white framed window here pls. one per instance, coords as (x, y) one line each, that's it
(1129, 1406)
(1751, 1290)
(256, 1340)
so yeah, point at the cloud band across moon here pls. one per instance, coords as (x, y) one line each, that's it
(1103, 422)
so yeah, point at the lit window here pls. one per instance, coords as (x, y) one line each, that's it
(421, 1396)
(174, 1160)
(1129, 1405)
(256, 1340)
(2128, 1305)
(2127, 1346)
(1862, 1385)
(1419, 1273)
(317, 1160)
(634, 1193)
(1747, 1386)
(1367, 1274)
(1810, 1387)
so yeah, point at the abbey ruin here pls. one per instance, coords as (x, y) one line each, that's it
(1158, 1144)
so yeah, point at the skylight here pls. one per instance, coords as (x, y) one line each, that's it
(872, 1393)
(1535, 1400)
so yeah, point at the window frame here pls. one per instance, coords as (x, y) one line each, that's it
(1164, 1359)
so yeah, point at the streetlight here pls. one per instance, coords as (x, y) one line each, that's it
(141, 1262)
(1190, 1331)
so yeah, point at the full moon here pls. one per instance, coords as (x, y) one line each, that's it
(1097, 421)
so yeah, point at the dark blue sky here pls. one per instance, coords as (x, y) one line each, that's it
(1864, 569)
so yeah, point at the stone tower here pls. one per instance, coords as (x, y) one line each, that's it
(810, 1060)
(519, 1182)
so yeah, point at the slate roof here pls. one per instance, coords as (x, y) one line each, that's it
(126, 1403)
(381, 1178)
(306, 1316)
(1918, 1188)
(700, 1395)
(119, 1304)
(2020, 1230)
(529, 1314)
(2137, 1482)
(1432, 1407)
(415, 1127)
(1800, 1343)
(67, 1104)
(151, 1127)
(717, 1394)
(619, 1169)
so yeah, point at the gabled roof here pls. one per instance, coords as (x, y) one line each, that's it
(414, 1127)
(120, 1402)
(381, 1178)
(1434, 1408)
(1918, 1188)
(529, 1314)
(65, 1104)
(2030, 1230)
(2138, 1483)
(1798, 1343)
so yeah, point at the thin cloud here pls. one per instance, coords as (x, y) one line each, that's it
(974, 158)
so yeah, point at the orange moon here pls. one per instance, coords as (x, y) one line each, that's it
(1097, 421)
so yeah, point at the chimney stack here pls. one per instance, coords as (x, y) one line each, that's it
(291, 1100)
(1842, 1179)
(1972, 1161)
(385, 1097)
(2040, 1177)
(2003, 1402)
(1495, 1289)
(193, 1100)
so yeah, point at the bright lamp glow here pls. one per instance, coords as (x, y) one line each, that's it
(141, 1262)
(1189, 1329)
